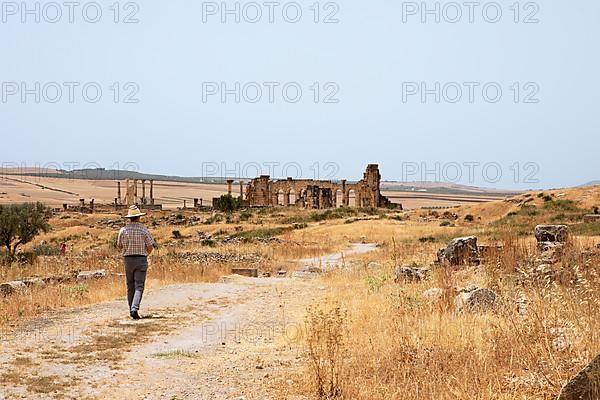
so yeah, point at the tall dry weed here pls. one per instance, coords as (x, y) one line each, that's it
(326, 331)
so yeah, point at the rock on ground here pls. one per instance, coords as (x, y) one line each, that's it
(84, 275)
(411, 274)
(584, 386)
(249, 272)
(475, 299)
(460, 251)
(9, 288)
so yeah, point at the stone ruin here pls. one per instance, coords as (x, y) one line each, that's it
(315, 194)
(551, 240)
(82, 207)
(460, 251)
(132, 195)
(551, 233)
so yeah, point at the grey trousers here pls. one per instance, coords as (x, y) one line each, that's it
(135, 273)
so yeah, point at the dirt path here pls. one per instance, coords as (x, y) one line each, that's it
(236, 339)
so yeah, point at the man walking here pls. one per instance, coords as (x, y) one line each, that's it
(136, 243)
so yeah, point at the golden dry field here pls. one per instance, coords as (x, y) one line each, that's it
(365, 334)
(58, 191)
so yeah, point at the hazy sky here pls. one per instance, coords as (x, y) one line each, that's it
(370, 68)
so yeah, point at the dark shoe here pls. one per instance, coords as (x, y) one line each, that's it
(134, 315)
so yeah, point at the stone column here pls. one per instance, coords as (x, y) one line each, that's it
(241, 190)
(229, 183)
(119, 191)
(321, 198)
(143, 191)
(286, 199)
(127, 192)
(152, 191)
(196, 203)
(345, 194)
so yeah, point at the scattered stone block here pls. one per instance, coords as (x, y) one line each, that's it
(38, 282)
(85, 275)
(411, 274)
(551, 233)
(304, 275)
(591, 219)
(550, 252)
(475, 299)
(460, 251)
(249, 272)
(8, 288)
(585, 385)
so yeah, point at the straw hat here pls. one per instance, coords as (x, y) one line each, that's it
(133, 212)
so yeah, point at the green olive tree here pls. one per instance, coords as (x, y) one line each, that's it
(20, 223)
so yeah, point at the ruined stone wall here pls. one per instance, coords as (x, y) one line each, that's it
(309, 193)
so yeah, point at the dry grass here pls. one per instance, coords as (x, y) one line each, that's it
(390, 342)
(403, 346)
(325, 336)
(176, 355)
(110, 345)
(93, 249)
(36, 384)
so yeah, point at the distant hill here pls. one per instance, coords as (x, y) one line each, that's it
(388, 186)
(101, 174)
(444, 188)
(591, 183)
(564, 201)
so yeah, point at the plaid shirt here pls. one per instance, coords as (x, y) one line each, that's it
(133, 239)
